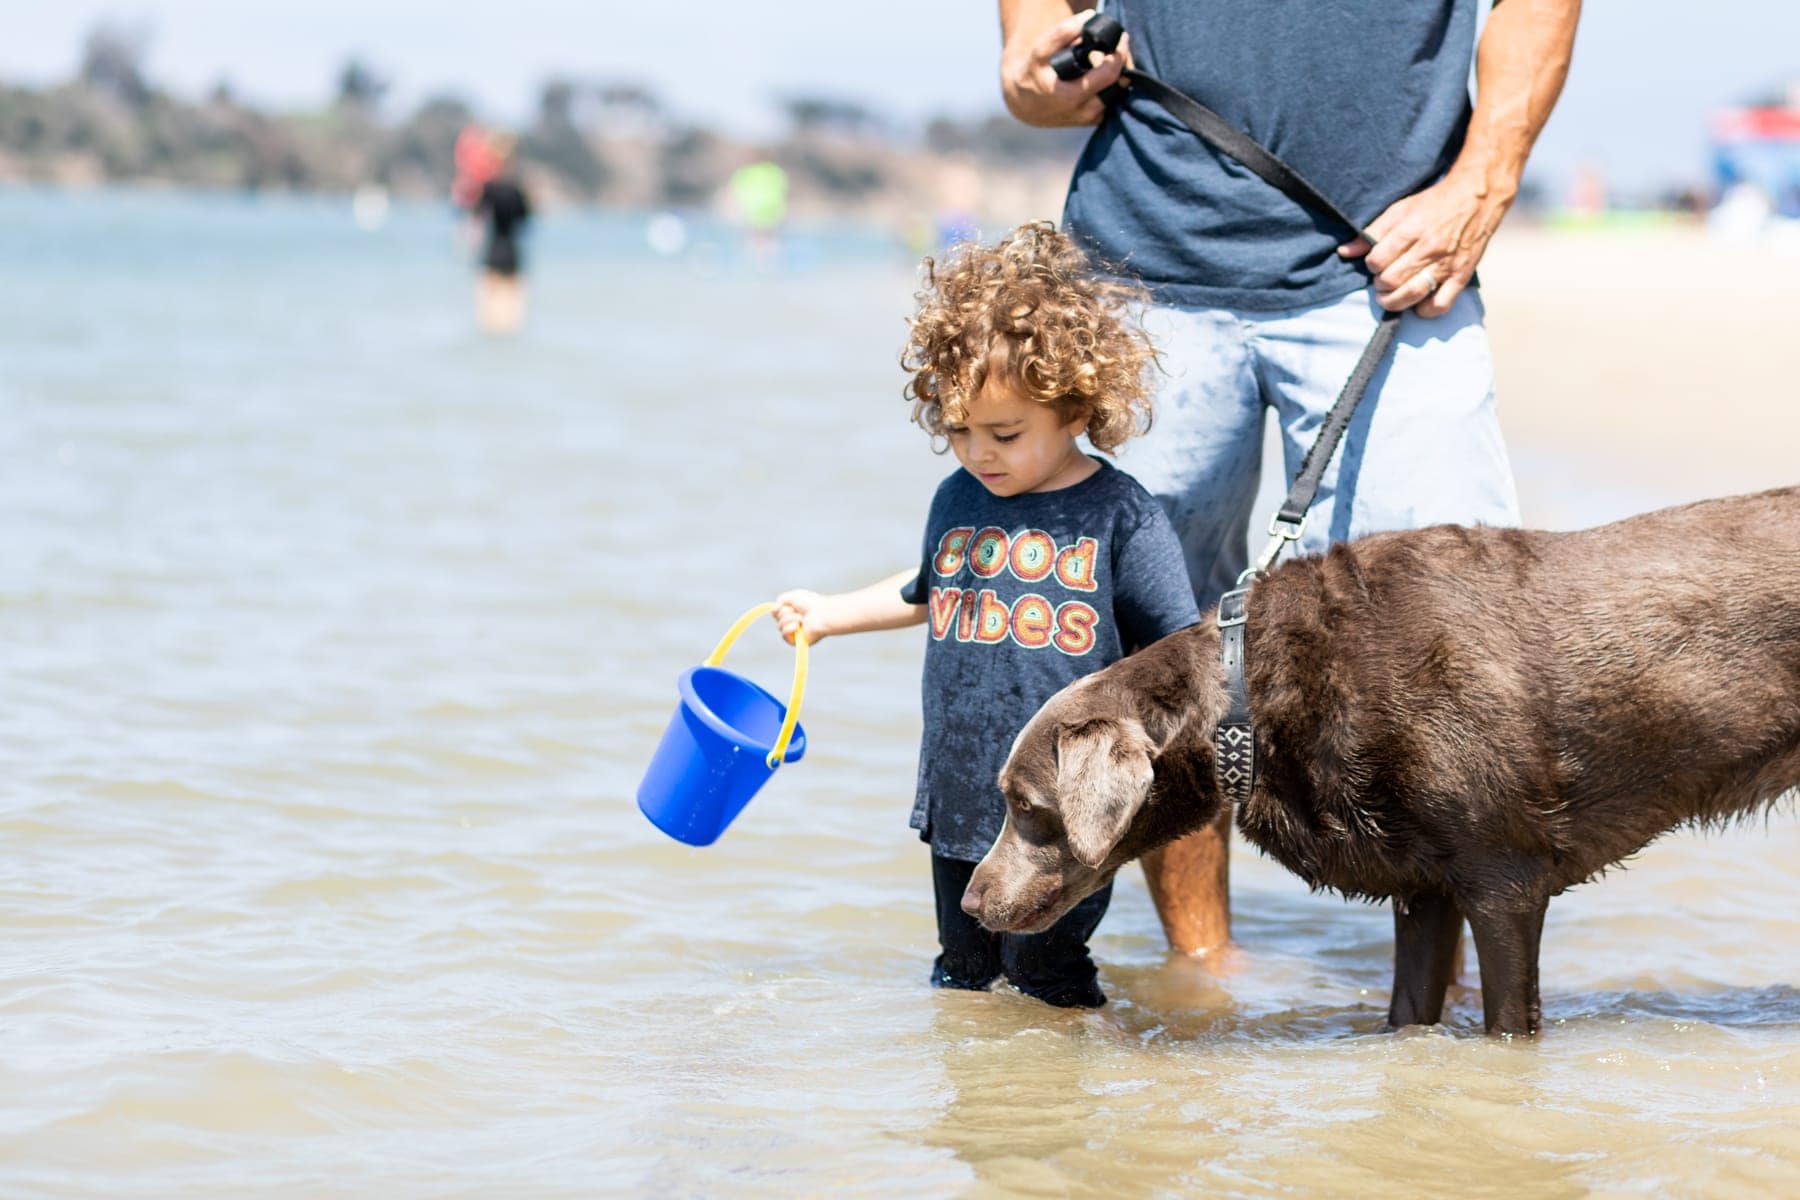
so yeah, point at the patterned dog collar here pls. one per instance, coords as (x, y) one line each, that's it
(1234, 742)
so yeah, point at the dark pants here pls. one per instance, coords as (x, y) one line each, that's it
(1053, 965)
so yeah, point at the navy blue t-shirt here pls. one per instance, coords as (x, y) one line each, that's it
(1024, 595)
(1368, 99)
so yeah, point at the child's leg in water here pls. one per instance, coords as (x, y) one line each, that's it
(1054, 965)
(971, 954)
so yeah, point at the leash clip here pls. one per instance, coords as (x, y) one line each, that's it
(1281, 532)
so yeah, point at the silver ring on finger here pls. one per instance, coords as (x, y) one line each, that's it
(1431, 280)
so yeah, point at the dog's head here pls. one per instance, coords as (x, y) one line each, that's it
(1098, 777)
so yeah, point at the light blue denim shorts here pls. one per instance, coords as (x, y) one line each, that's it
(1423, 449)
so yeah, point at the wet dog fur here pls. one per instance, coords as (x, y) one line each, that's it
(1465, 721)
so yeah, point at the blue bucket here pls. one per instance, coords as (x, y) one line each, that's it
(724, 741)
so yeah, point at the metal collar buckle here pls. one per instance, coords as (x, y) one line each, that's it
(1232, 607)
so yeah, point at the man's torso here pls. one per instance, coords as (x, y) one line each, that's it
(1368, 99)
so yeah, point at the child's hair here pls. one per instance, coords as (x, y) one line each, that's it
(1034, 308)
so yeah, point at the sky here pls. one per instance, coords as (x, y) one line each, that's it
(1646, 72)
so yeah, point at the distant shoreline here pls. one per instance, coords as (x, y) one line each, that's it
(109, 127)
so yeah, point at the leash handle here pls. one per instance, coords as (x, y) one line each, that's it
(1100, 35)
(795, 694)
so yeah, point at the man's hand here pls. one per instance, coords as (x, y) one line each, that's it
(1030, 86)
(1428, 244)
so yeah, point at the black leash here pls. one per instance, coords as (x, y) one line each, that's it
(1234, 742)
(1223, 136)
(1217, 132)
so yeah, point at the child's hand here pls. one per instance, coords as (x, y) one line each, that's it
(878, 606)
(803, 609)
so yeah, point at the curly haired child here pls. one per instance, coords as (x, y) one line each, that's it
(1040, 563)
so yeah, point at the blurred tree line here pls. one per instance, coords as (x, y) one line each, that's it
(589, 141)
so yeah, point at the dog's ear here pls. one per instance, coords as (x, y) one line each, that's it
(1102, 778)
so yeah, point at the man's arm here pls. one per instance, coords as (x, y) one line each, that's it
(1030, 32)
(1437, 236)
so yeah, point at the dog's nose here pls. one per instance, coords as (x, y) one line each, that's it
(971, 901)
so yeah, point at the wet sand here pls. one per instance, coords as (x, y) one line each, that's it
(1665, 356)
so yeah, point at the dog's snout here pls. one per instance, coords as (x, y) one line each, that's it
(971, 900)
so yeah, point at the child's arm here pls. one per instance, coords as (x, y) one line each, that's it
(877, 606)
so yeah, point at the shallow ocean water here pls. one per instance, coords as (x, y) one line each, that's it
(334, 637)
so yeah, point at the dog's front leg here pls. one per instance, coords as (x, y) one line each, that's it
(1426, 929)
(1506, 945)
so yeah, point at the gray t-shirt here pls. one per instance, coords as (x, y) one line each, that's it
(1368, 99)
(1023, 595)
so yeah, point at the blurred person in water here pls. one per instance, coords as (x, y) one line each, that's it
(476, 163)
(1040, 563)
(501, 209)
(756, 200)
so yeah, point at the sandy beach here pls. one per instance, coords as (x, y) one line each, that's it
(1662, 355)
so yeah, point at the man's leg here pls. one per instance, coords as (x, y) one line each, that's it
(1202, 458)
(1424, 447)
(1190, 884)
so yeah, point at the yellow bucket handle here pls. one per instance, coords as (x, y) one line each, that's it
(793, 707)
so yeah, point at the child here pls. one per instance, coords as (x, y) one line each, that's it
(1040, 564)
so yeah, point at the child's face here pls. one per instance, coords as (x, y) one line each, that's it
(1015, 444)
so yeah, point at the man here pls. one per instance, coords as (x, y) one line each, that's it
(1260, 303)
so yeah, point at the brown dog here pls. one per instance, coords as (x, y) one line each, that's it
(1466, 721)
